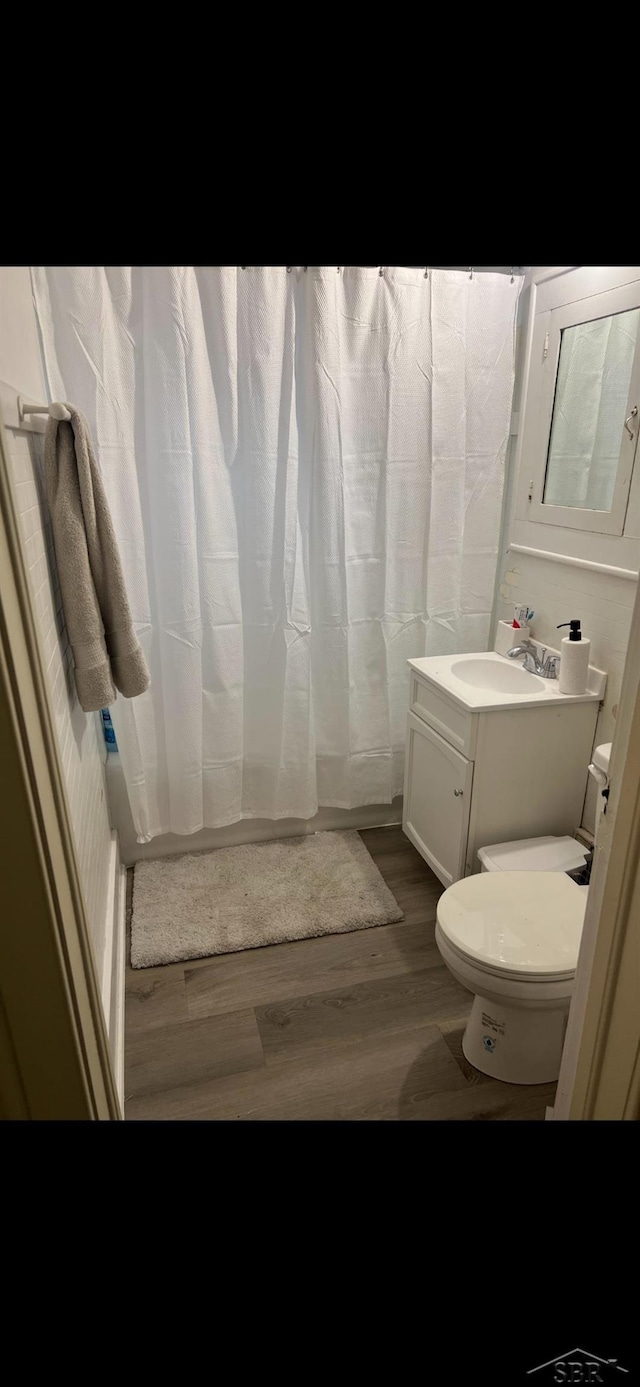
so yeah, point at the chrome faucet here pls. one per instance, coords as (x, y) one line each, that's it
(546, 668)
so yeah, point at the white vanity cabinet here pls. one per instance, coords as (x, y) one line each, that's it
(474, 778)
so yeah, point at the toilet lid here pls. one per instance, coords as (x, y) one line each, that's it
(527, 923)
(534, 855)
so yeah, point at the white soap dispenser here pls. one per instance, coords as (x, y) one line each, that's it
(574, 660)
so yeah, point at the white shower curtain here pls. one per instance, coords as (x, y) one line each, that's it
(305, 470)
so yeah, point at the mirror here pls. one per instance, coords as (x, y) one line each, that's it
(592, 387)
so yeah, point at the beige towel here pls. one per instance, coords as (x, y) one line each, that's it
(104, 645)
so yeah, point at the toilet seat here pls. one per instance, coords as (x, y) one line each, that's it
(520, 925)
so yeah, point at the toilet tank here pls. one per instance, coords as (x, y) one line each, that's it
(602, 756)
(599, 769)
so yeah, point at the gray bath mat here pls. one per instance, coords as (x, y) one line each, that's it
(261, 893)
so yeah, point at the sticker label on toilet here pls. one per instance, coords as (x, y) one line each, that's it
(497, 1027)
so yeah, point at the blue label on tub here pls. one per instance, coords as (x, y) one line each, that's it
(109, 730)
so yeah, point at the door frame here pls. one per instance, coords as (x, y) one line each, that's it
(600, 1071)
(54, 1053)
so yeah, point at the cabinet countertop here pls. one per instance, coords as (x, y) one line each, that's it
(439, 670)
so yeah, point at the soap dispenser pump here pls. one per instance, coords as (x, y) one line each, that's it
(574, 661)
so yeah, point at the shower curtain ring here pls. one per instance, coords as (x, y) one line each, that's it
(471, 272)
(288, 269)
(381, 271)
(338, 269)
(512, 269)
(426, 272)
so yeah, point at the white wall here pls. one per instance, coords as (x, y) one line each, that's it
(558, 591)
(20, 361)
(79, 735)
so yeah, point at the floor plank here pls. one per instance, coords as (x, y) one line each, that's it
(452, 1033)
(191, 1052)
(261, 976)
(295, 1029)
(512, 1100)
(383, 840)
(154, 997)
(383, 1078)
(493, 1102)
(359, 1026)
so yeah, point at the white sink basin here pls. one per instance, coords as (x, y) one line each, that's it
(499, 678)
(485, 681)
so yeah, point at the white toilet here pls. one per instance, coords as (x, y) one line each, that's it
(511, 935)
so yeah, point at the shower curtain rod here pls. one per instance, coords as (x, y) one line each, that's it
(477, 269)
(513, 270)
(472, 269)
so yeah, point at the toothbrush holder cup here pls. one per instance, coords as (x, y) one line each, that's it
(507, 636)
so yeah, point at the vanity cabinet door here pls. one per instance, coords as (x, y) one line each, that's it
(437, 799)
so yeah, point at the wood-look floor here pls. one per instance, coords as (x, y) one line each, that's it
(349, 1026)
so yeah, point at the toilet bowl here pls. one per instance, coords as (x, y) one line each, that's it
(512, 938)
